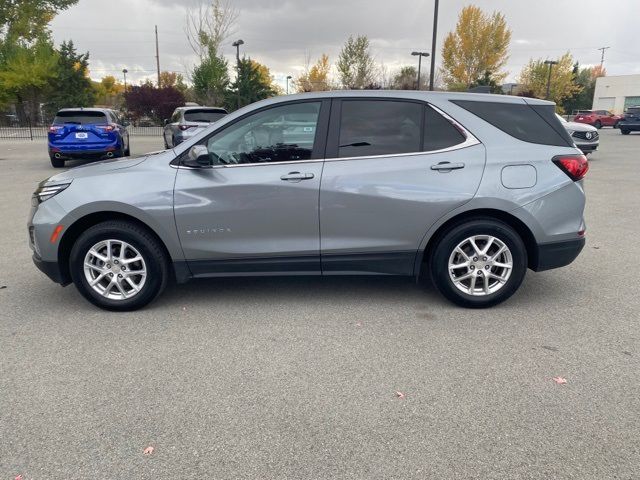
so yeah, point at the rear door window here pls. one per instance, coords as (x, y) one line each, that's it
(439, 132)
(379, 127)
(203, 115)
(80, 118)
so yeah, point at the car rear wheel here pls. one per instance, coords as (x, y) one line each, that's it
(56, 162)
(598, 124)
(624, 131)
(118, 265)
(479, 263)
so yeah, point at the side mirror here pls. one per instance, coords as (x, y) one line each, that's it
(198, 157)
(166, 121)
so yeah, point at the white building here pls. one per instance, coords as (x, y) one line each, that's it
(617, 93)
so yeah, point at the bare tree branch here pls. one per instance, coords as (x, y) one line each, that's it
(208, 25)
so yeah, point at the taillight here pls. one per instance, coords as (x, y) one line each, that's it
(186, 127)
(54, 129)
(107, 128)
(575, 166)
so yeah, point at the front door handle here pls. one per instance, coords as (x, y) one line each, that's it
(296, 176)
(447, 166)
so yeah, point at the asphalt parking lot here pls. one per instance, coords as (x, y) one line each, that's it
(297, 377)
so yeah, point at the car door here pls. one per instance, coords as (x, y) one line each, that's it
(256, 209)
(393, 168)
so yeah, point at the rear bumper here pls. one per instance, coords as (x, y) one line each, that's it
(51, 270)
(557, 254)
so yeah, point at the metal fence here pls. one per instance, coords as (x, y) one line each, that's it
(25, 131)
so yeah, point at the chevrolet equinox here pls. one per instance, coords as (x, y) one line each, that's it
(469, 189)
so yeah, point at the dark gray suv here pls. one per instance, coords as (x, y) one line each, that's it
(469, 189)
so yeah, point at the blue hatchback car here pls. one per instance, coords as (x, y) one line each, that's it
(87, 133)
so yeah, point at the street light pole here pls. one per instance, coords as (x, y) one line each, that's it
(288, 78)
(124, 72)
(419, 55)
(237, 44)
(433, 46)
(551, 63)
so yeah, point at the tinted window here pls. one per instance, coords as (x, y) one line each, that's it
(530, 123)
(278, 134)
(201, 115)
(439, 133)
(80, 118)
(379, 127)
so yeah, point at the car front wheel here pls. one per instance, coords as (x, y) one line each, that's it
(624, 131)
(118, 265)
(478, 263)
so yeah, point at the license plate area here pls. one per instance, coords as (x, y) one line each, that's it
(81, 135)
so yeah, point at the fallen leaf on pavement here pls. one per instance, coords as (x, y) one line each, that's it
(2, 287)
(18, 477)
(148, 450)
(560, 380)
(596, 247)
(399, 394)
(359, 324)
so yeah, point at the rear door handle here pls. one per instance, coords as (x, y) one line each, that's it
(296, 176)
(447, 166)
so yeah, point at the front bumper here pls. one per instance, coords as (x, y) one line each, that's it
(556, 255)
(587, 147)
(631, 126)
(51, 270)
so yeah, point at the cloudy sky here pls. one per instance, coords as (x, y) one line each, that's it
(283, 33)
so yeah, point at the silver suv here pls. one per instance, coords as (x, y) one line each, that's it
(186, 122)
(468, 189)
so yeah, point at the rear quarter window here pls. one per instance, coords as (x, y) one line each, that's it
(80, 118)
(529, 123)
(439, 133)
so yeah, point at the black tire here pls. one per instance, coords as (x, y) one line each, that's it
(439, 261)
(140, 238)
(617, 124)
(624, 131)
(127, 151)
(56, 162)
(598, 124)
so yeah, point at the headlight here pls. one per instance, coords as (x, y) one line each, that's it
(45, 192)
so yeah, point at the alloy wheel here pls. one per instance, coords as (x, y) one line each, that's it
(480, 265)
(115, 269)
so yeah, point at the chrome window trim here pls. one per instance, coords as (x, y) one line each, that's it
(469, 141)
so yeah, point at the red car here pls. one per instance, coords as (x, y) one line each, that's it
(598, 118)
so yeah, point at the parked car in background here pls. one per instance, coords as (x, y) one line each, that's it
(87, 133)
(597, 118)
(630, 121)
(469, 189)
(187, 121)
(584, 136)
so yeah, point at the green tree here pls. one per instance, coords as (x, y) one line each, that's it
(356, 66)
(210, 81)
(27, 20)
(405, 79)
(71, 86)
(487, 80)
(479, 44)
(585, 78)
(26, 76)
(535, 74)
(249, 86)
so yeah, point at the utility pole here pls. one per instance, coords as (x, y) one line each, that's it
(551, 63)
(288, 78)
(157, 57)
(433, 46)
(602, 57)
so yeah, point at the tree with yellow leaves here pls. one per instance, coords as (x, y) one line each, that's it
(478, 45)
(535, 75)
(316, 78)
